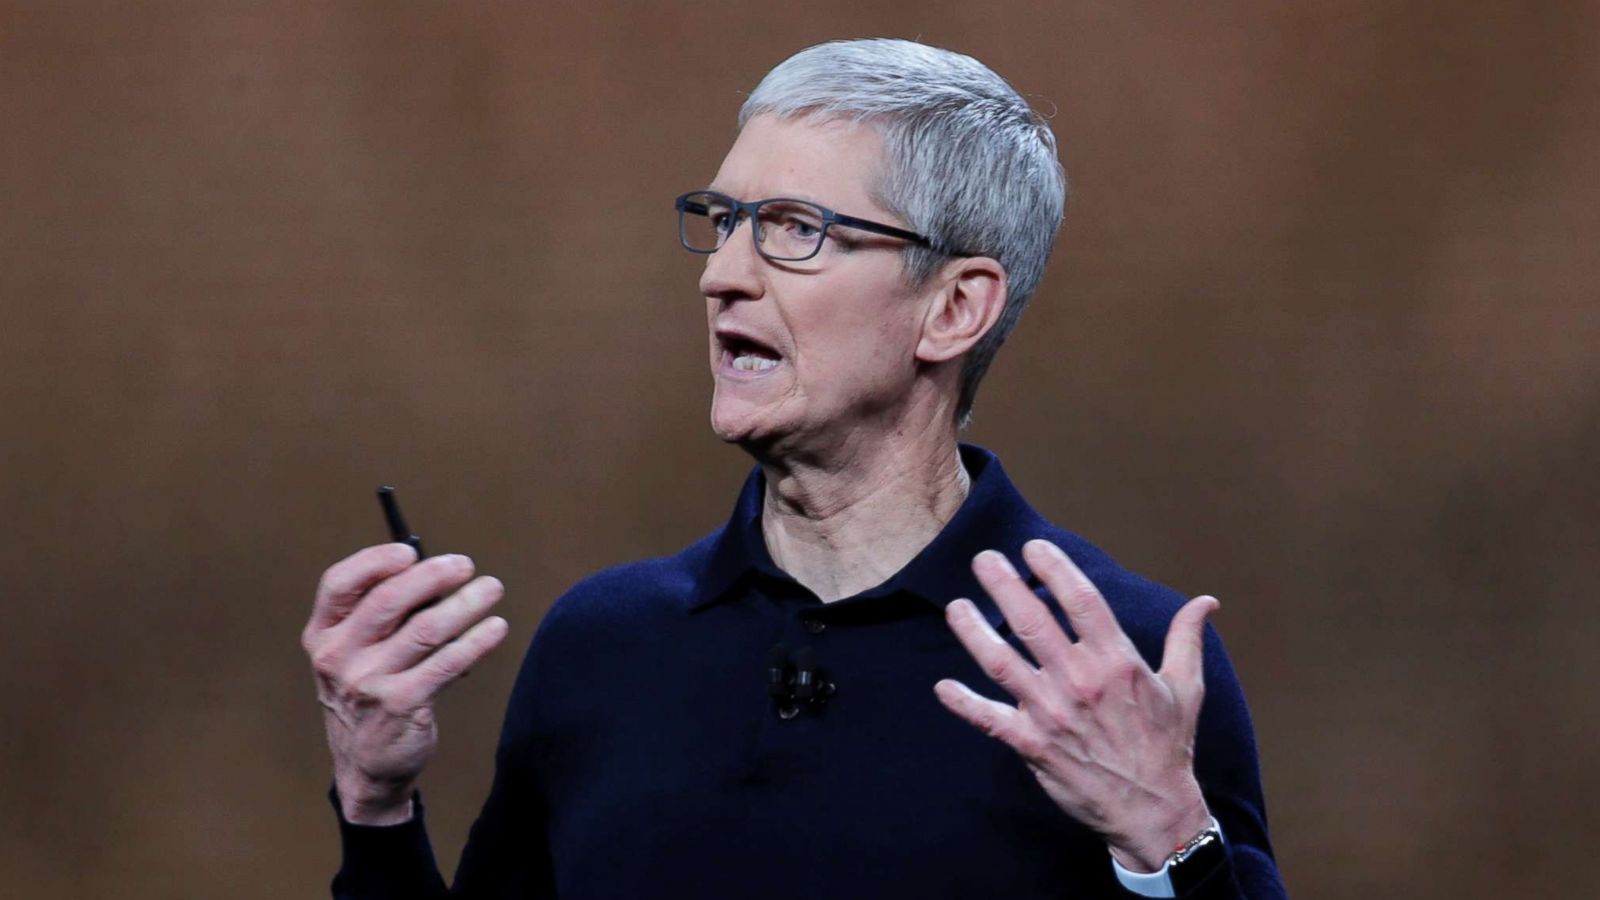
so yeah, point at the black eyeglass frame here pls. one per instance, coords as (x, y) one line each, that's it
(752, 209)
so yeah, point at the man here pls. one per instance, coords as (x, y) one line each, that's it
(787, 707)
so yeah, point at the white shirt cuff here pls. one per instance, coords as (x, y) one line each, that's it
(1154, 884)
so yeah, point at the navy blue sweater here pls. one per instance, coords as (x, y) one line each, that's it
(642, 755)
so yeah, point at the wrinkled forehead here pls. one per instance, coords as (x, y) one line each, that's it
(832, 161)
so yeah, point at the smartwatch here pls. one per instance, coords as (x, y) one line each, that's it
(1194, 862)
(1191, 864)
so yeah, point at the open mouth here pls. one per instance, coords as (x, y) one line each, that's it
(745, 354)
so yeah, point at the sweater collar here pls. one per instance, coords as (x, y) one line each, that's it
(994, 516)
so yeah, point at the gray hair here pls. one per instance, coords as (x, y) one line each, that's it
(969, 163)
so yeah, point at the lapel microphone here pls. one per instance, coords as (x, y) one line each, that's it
(796, 687)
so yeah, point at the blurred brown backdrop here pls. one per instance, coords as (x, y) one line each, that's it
(1320, 337)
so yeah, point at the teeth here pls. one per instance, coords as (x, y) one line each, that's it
(753, 363)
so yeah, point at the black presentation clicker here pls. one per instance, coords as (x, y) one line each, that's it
(398, 529)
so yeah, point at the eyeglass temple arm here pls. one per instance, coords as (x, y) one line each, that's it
(880, 228)
(891, 231)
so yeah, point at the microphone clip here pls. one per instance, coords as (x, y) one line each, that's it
(798, 686)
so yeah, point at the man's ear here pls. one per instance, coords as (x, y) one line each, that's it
(968, 301)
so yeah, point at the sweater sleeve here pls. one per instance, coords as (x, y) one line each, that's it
(506, 854)
(386, 862)
(1228, 769)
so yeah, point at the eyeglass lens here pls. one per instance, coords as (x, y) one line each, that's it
(785, 229)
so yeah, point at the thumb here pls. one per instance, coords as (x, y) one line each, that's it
(1182, 659)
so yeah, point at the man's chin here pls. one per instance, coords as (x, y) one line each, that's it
(736, 432)
(750, 432)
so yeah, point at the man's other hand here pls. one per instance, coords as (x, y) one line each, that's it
(381, 654)
(1111, 742)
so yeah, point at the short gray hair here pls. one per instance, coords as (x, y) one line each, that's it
(969, 163)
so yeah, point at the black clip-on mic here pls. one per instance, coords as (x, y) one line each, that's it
(802, 686)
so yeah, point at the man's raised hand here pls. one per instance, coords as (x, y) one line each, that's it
(1111, 742)
(380, 659)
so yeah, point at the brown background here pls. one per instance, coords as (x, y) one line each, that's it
(1320, 337)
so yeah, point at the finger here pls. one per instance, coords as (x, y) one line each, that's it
(435, 626)
(1091, 618)
(998, 659)
(388, 603)
(996, 719)
(1027, 615)
(454, 659)
(1183, 657)
(346, 581)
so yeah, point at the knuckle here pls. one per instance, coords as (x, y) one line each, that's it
(397, 705)
(379, 694)
(988, 724)
(393, 704)
(1093, 694)
(1083, 599)
(1085, 691)
(389, 605)
(445, 666)
(1124, 668)
(330, 583)
(326, 659)
(1029, 745)
(358, 693)
(421, 716)
(999, 671)
(1030, 627)
(425, 633)
(1053, 717)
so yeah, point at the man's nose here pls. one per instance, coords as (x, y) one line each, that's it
(733, 271)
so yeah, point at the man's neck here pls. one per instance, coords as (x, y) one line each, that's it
(846, 523)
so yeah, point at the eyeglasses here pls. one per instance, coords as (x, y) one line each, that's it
(784, 230)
